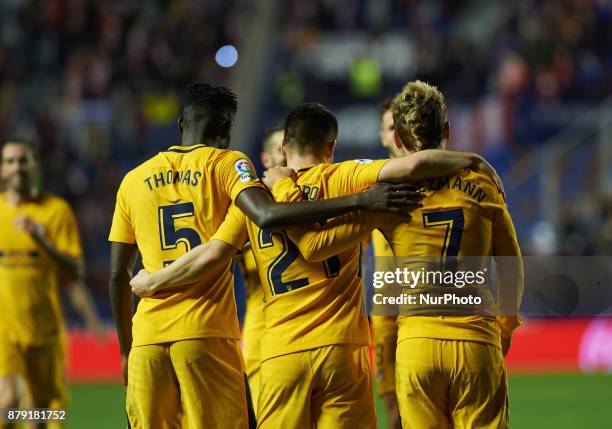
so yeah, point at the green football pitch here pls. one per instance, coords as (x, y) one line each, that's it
(536, 401)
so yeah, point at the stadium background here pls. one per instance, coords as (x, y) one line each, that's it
(97, 85)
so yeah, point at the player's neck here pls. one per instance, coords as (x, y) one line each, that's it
(299, 161)
(190, 139)
(16, 198)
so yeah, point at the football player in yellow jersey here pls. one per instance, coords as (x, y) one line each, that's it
(253, 327)
(450, 369)
(180, 352)
(384, 328)
(315, 368)
(449, 366)
(39, 247)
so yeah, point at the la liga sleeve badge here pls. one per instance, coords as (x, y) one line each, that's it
(244, 170)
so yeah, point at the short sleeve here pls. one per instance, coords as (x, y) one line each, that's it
(65, 232)
(233, 229)
(235, 172)
(122, 228)
(286, 190)
(354, 176)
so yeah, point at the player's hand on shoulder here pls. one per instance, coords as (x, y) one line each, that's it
(392, 197)
(274, 174)
(141, 285)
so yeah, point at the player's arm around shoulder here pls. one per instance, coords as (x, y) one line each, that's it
(318, 242)
(229, 238)
(434, 163)
(184, 271)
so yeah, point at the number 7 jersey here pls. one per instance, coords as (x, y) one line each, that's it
(167, 205)
(463, 215)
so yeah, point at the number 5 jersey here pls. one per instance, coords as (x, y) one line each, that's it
(167, 205)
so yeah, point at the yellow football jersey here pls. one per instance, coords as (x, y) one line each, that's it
(29, 295)
(462, 215)
(167, 205)
(254, 317)
(313, 304)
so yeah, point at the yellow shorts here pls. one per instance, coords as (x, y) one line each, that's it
(449, 383)
(254, 381)
(326, 387)
(384, 363)
(251, 351)
(202, 378)
(42, 367)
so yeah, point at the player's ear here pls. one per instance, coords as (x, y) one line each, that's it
(446, 131)
(180, 124)
(283, 148)
(330, 149)
(398, 140)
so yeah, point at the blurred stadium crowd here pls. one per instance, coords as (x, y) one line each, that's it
(97, 84)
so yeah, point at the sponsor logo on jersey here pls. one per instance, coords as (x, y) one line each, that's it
(244, 170)
(364, 161)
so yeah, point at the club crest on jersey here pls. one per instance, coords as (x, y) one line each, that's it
(243, 169)
(364, 161)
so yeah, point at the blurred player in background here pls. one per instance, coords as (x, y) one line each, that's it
(450, 368)
(315, 368)
(39, 248)
(166, 206)
(385, 331)
(271, 156)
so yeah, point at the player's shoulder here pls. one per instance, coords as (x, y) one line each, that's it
(329, 168)
(352, 163)
(53, 202)
(484, 182)
(240, 161)
(49, 198)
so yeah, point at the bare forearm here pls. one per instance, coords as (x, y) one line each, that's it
(260, 207)
(84, 304)
(434, 162)
(318, 243)
(68, 265)
(427, 163)
(185, 270)
(121, 304)
(303, 212)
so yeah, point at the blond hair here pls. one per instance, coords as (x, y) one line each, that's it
(419, 114)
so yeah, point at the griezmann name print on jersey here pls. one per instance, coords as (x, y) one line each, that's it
(244, 170)
(364, 161)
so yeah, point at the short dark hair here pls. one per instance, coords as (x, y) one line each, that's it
(309, 127)
(268, 132)
(214, 107)
(384, 107)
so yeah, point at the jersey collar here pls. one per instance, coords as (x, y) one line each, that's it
(185, 149)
